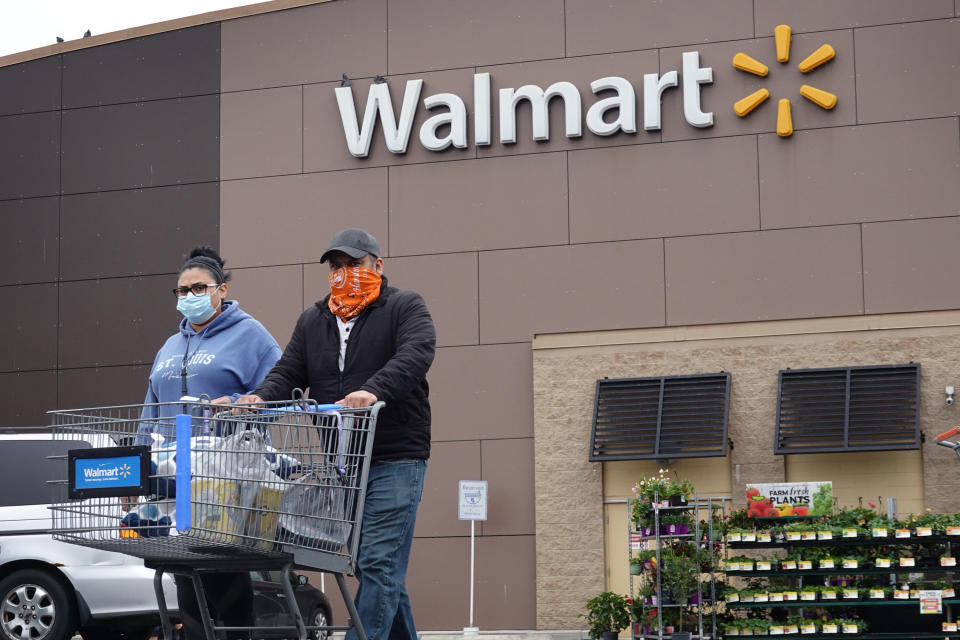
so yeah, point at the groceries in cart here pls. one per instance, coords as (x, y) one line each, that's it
(285, 474)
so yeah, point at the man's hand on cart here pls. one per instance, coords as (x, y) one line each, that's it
(358, 400)
(222, 400)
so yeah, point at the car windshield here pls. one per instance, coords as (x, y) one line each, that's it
(26, 470)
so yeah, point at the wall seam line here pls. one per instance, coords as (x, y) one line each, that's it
(478, 297)
(759, 197)
(856, 81)
(863, 276)
(569, 223)
(564, 28)
(663, 256)
(59, 235)
(303, 132)
(492, 250)
(389, 250)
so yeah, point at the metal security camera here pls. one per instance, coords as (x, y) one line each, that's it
(949, 391)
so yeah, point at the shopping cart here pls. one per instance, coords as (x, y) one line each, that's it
(216, 488)
(943, 441)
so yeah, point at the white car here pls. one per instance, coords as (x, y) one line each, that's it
(50, 589)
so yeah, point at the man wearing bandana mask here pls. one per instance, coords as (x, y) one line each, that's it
(368, 341)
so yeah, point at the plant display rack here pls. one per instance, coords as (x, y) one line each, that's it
(947, 542)
(702, 538)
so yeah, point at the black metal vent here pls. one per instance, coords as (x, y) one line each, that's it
(848, 409)
(668, 417)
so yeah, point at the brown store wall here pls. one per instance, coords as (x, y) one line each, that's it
(684, 227)
(108, 175)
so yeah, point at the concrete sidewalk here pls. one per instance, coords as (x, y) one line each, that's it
(483, 635)
(506, 635)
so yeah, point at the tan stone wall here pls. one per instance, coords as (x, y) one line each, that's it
(569, 491)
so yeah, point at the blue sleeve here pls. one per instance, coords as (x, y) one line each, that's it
(148, 414)
(268, 358)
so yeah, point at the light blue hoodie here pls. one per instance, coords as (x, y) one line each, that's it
(228, 357)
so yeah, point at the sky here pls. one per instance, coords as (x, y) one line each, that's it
(28, 24)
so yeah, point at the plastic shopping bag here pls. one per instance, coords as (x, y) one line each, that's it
(318, 506)
(236, 493)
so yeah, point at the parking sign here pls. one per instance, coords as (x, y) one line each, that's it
(473, 500)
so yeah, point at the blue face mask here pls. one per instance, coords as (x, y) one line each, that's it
(196, 309)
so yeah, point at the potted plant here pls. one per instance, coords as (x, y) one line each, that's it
(607, 614)
(638, 615)
(794, 530)
(809, 592)
(852, 625)
(642, 512)
(853, 561)
(761, 626)
(677, 524)
(678, 577)
(794, 623)
(740, 519)
(645, 560)
(829, 592)
(828, 561)
(731, 628)
(945, 585)
(809, 627)
(716, 528)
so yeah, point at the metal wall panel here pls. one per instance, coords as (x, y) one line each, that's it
(147, 144)
(174, 64)
(30, 157)
(26, 396)
(29, 242)
(30, 86)
(29, 327)
(136, 232)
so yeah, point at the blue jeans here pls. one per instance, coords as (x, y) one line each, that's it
(394, 488)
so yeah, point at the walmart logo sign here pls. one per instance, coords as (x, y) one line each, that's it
(614, 110)
(819, 97)
(121, 471)
(99, 472)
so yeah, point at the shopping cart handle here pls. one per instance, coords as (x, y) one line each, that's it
(312, 408)
(947, 434)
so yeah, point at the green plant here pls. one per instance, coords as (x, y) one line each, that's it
(739, 519)
(676, 518)
(642, 511)
(822, 500)
(638, 609)
(607, 611)
(678, 576)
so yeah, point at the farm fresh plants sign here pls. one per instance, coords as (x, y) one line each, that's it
(780, 499)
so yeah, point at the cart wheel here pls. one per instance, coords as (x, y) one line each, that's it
(35, 605)
(319, 618)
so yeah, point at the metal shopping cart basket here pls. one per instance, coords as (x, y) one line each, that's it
(218, 488)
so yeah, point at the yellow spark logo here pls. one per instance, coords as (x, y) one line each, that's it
(125, 471)
(819, 97)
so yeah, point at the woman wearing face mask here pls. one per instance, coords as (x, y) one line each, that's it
(221, 352)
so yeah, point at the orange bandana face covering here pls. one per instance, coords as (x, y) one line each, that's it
(352, 289)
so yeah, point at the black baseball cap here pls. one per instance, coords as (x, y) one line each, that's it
(356, 243)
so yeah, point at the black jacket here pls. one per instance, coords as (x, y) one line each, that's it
(390, 349)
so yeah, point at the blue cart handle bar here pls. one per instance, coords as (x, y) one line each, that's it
(183, 424)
